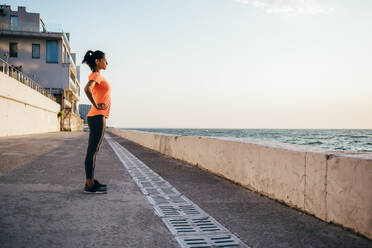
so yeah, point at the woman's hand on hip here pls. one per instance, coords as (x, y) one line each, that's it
(101, 106)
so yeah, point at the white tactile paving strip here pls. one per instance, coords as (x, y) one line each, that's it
(191, 226)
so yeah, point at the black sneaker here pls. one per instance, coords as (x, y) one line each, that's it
(99, 184)
(95, 189)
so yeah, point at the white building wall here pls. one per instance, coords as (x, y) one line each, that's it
(48, 75)
(24, 110)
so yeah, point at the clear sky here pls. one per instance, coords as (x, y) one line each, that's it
(226, 63)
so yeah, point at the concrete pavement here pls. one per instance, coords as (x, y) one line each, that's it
(42, 204)
(42, 176)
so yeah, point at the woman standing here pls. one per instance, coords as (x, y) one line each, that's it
(98, 92)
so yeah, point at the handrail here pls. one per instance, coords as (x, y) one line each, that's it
(72, 60)
(40, 27)
(11, 71)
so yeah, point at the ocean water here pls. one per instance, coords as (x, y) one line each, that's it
(356, 140)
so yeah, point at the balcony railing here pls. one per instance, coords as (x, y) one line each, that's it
(35, 27)
(21, 77)
(71, 60)
(78, 90)
(75, 88)
(72, 85)
(27, 27)
(67, 59)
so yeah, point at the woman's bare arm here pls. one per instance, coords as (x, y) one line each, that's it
(88, 91)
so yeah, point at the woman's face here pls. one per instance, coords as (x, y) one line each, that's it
(102, 63)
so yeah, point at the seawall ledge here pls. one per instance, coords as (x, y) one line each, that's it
(272, 144)
(331, 185)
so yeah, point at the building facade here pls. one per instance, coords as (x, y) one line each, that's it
(45, 56)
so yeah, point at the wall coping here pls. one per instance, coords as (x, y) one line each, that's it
(273, 144)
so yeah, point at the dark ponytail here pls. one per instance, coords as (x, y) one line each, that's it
(90, 58)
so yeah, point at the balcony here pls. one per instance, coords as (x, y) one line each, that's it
(71, 60)
(74, 89)
(67, 58)
(72, 85)
(67, 103)
(34, 29)
(73, 69)
(25, 27)
(11, 71)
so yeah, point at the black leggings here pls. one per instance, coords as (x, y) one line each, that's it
(97, 126)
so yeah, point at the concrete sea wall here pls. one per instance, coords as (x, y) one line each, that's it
(24, 110)
(334, 186)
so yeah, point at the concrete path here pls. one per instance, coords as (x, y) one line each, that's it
(41, 204)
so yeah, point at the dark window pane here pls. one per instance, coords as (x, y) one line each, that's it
(13, 51)
(35, 51)
(52, 51)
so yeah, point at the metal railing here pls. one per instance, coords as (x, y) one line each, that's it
(33, 27)
(21, 77)
(26, 27)
(40, 27)
(67, 59)
(71, 60)
(73, 86)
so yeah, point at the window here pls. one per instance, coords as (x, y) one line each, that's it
(36, 51)
(14, 23)
(52, 51)
(13, 50)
